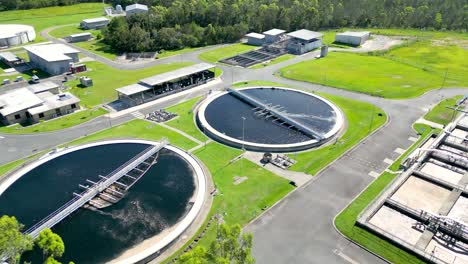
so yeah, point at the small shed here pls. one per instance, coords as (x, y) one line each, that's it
(255, 39)
(94, 23)
(274, 35)
(86, 81)
(136, 9)
(79, 37)
(10, 58)
(352, 37)
(77, 68)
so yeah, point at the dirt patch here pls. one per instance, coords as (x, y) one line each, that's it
(462, 43)
(238, 180)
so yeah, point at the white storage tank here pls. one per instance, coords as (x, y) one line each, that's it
(118, 9)
(14, 34)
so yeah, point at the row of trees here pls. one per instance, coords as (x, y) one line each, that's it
(13, 243)
(191, 23)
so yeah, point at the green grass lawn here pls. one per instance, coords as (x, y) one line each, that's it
(55, 124)
(282, 58)
(225, 52)
(168, 53)
(346, 220)
(185, 122)
(373, 75)
(440, 113)
(43, 18)
(140, 129)
(106, 79)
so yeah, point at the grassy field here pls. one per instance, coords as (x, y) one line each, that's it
(55, 124)
(185, 122)
(96, 46)
(43, 18)
(346, 220)
(106, 79)
(282, 58)
(366, 74)
(140, 129)
(225, 52)
(440, 113)
(168, 53)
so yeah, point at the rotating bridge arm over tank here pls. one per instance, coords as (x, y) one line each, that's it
(277, 113)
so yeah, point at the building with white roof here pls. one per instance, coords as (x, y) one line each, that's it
(303, 41)
(79, 37)
(354, 38)
(35, 102)
(255, 39)
(136, 9)
(274, 35)
(52, 58)
(94, 23)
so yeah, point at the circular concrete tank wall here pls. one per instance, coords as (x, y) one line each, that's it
(273, 119)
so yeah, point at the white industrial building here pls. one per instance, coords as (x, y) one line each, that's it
(352, 37)
(303, 41)
(94, 23)
(136, 9)
(274, 35)
(13, 34)
(34, 103)
(54, 59)
(79, 37)
(255, 39)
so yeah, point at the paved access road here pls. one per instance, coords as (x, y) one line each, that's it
(299, 229)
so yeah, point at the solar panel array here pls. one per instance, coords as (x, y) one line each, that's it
(255, 56)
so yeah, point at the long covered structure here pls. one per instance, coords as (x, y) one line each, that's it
(160, 85)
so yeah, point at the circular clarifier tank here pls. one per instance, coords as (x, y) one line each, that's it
(274, 119)
(154, 211)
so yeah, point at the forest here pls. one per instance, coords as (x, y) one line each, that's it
(174, 24)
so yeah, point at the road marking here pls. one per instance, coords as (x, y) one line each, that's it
(399, 151)
(138, 114)
(412, 139)
(388, 161)
(374, 174)
(1, 137)
(344, 256)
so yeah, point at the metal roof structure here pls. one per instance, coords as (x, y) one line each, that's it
(80, 35)
(52, 52)
(12, 30)
(53, 101)
(136, 6)
(169, 76)
(96, 20)
(255, 35)
(18, 100)
(354, 33)
(274, 32)
(133, 89)
(9, 56)
(42, 87)
(305, 34)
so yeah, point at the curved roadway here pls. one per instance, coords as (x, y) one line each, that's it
(299, 229)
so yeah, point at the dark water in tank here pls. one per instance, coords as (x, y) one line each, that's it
(225, 115)
(157, 201)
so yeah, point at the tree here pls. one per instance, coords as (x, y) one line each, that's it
(230, 247)
(50, 243)
(12, 242)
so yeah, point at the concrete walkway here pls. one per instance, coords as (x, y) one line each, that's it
(429, 123)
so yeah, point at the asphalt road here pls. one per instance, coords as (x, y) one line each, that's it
(300, 228)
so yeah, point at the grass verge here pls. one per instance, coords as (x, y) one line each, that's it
(440, 113)
(346, 220)
(225, 52)
(55, 124)
(277, 60)
(185, 121)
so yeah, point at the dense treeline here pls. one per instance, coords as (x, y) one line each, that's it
(189, 23)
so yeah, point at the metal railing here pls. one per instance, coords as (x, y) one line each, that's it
(84, 197)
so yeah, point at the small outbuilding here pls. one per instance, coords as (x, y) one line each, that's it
(94, 23)
(303, 41)
(54, 59)
(255, 39)
(10, 58)
(352, 37)
(274, 35)
(136, 9)
(79, 37)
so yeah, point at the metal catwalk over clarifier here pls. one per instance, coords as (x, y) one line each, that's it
(100, 188)
(272, 111)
